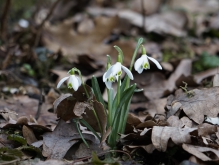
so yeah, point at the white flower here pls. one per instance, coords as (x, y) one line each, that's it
(108, 81)
(73, 82)
(142, 63)
(114, 72)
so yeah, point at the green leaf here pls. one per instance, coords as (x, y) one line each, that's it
(18, 139)
(125, 97)
(7, 154)
(90, 128)
(96, 89)
(31, 150)
(205, 62)
(117, 122)
(82, 137)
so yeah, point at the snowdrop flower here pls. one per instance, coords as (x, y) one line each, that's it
(108, 81)
(142, 63)
(114, 72)
(73, 81)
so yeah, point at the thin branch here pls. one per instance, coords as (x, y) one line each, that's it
(3, 26)
(40, 27)
(143, 16)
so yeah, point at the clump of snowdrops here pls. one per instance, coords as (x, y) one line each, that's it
(118, 102)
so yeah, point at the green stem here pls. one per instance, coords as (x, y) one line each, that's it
(79, 72)
(140, 41)
(118, 90)
(109, 109)
(98, 121)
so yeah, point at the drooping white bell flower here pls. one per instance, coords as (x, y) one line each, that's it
(143, 63)
(114, 72)
(108, 81)
(73, 82)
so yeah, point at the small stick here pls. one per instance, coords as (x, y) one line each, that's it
(4, 20)
(40, 27)
(143, 15)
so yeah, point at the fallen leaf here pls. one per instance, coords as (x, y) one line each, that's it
(57, 143)
(203, 153)
(28, 135)
(161, 135)
(62, 37)
(174, 121)
(163, 23)
(203, 102)
(196, 6)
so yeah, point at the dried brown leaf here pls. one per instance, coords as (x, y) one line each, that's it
(203, 153)
(203, 102)
(57, 143)
(29, 135)
(63, 37)
(161, 135)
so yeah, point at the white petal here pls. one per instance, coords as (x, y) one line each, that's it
(140, 70)
(74, 82)
(116, 68)
(108, 84)
(108, 72)
(156, 62)
(138, 63)
(79, 81)
(104, 77)
(129, 73)
(61, 81)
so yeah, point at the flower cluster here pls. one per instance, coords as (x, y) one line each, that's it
(113, 73)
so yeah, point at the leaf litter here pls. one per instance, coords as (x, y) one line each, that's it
(175, 115)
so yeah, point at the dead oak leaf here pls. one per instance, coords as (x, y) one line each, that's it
(203, 102)
(203, 153)
(57, 143)
(161, 135)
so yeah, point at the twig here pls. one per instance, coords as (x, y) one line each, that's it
(4, 20)
(39, 105)
(143, 15)
(40, 27)
(6, 61)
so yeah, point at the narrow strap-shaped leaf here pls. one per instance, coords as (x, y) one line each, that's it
(96, 89)
(90, 128)
(125, 96)
(79, 131)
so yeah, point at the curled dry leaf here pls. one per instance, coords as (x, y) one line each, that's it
(161, 135)
(201, 102)
(203, 153)
(206, 129)
(64, 106)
